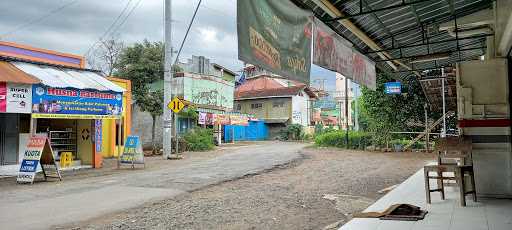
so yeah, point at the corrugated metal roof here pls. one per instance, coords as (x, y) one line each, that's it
(408, 29)
(63, 78)
(9, 73)
(407, 26)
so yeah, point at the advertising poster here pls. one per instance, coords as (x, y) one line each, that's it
(38, 151)
(202, 118)
(51, 100)
(275, 35)
(3, 97)
(98, 135)
(132, 153)
(331, 51)
(19, 98)
(363, 71)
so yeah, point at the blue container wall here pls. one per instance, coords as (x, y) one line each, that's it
(255, 131)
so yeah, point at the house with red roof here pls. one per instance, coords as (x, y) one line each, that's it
(277, 101)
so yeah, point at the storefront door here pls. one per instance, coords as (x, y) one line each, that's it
(9, 135)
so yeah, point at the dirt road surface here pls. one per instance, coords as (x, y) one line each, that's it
(318, 190)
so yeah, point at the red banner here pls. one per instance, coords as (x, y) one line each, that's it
(3, 97)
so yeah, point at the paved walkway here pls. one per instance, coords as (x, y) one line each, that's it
(57, 204)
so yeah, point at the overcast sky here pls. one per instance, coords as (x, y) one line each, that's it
(76, 27)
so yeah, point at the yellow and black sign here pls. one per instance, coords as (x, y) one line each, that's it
(176, 105)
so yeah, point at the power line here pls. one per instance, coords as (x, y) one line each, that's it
(120, 24)
(188, 30)
(109, 28)
(39, 19)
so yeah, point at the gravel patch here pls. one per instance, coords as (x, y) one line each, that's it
(320, 191)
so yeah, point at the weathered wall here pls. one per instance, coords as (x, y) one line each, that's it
(141, 126)
(483, 96)
(206, 91)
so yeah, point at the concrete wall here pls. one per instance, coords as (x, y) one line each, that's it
(141, 126)
(483, 96)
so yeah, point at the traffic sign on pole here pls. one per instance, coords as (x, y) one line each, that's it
(176, 105)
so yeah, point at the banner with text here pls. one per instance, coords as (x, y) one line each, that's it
(15, 98)
(331, 51)
(275, 35)
(51, 100)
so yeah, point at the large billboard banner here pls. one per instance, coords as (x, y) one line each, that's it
(331, 51)
(364, 71)
(275, 35)
(51, 100)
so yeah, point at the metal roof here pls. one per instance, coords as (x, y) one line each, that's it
(9, 73)
(405, 31)
(62, 77)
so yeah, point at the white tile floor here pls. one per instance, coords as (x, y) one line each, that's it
(488, 214)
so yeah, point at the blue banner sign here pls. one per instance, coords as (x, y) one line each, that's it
(51, 100)
(132, 153)
(393, 88)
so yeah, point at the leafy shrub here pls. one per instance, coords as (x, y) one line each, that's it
(292, 132)
(356, 140)
(199, 139)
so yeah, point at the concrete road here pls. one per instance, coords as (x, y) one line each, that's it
(56, 204)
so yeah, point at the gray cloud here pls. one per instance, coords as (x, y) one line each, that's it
(75, 28)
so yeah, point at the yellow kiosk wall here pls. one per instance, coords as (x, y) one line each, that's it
(84, 141)
(109, 132)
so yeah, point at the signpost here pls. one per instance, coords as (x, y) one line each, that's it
(393, 88)
(132, 153)
(38, 152)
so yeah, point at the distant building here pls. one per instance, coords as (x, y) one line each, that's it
(209, 86)
(277, 101)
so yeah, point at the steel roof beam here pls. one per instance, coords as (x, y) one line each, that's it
(330, 9)
(430, 43)
(416, 56)
(403, 4)
(469, 9)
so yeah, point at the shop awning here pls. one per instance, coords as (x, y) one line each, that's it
(63, 78)
(9, 73)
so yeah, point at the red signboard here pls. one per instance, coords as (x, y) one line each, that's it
(3, 96)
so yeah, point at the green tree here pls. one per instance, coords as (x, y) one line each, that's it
(388, 113)
(143, 63)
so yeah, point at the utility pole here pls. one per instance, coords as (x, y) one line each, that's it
(356, 109)
(427, 134)
(443, 133)
(346, 110)
(167, 135)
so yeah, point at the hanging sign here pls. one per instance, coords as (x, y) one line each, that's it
(132, 153)
(331, 51)
(202, 118)
(38, 152)
(363, 72)
(275, 35)
(393, 88)
(49, 100)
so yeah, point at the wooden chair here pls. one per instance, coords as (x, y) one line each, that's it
(459, 151)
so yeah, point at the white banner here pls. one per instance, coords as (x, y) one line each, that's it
(19, 98)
